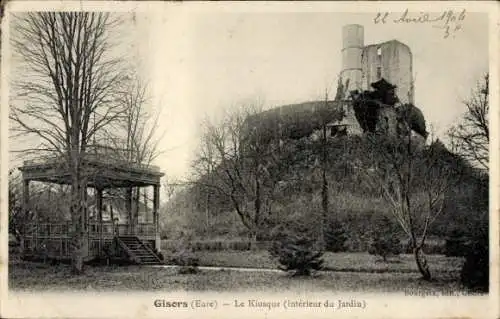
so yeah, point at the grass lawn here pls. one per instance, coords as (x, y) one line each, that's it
(355, 262)
(38, 276)
(31, 276)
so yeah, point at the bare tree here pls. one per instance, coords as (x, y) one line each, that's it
(325, 199)
(470, 138)
(327, 115)
(140, 127)
(205, 165)
(414, 181)
(68, 93)
(237, 171)
(136, 138)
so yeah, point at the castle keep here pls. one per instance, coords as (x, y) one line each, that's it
(376, 87)
(363, 65)
(375, 91)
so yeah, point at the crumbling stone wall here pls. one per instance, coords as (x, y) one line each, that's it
(387, 121)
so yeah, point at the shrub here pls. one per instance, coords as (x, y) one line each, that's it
(431, 247)
(475, 271)
(184, 256)
(335, 237)
(188, 270)
(455, 244)
(295, 250)
(385, 241)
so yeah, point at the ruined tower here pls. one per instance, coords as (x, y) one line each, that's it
(352, 52)
(364, 64)
(391, 60)
(351, 78)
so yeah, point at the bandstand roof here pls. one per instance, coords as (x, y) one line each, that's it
(102, 172)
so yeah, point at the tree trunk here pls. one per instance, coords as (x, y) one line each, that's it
(422, 265)
(253, 236)
(258, 208)
(324, 204)
(253, 239)
(77, 241)
(78, 252)
(21, 245)
(77, 216)
(207, 213)
(324, 190)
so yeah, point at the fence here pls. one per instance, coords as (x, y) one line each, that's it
(95, 229)
(53, 239)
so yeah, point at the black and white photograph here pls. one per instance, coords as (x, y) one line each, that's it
(260, 160)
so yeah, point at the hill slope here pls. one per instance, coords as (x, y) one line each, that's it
(295, 192)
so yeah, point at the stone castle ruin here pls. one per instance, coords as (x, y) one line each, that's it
(375, 94)
(376, 85)
(363, 65)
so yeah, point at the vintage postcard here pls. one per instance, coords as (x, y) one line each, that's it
(249, 160)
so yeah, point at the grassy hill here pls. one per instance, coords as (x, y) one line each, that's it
(296, 194)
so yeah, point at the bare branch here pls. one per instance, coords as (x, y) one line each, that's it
(470, 138)
(66, 91)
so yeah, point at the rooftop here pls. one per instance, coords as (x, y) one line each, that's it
(104, 166)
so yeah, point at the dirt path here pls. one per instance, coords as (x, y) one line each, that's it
(223, 268)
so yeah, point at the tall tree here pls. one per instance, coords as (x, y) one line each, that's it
(136, 139)
(69, 92)
(239, 171)
(138, 132)
(205, 165)
(330, 112)
(325, 199)
(414, 180)
(471, 137)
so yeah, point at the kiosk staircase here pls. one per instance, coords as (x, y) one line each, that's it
(138, 251)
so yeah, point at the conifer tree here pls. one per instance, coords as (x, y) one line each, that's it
(385, 241)
(296, 249)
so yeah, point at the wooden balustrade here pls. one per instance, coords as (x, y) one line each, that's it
(47, 230)
(54, 239)
(95, 229)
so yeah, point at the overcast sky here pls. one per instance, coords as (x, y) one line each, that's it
(201, 62)
(198, 62)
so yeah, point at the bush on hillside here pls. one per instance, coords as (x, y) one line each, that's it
(295, 248)
(385, 242)
(455, 245)
(475, 271)
(336, 237)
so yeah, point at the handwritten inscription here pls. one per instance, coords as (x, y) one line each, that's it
(449, 21)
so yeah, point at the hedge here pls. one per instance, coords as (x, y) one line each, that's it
(219, 245)
(432, 247)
